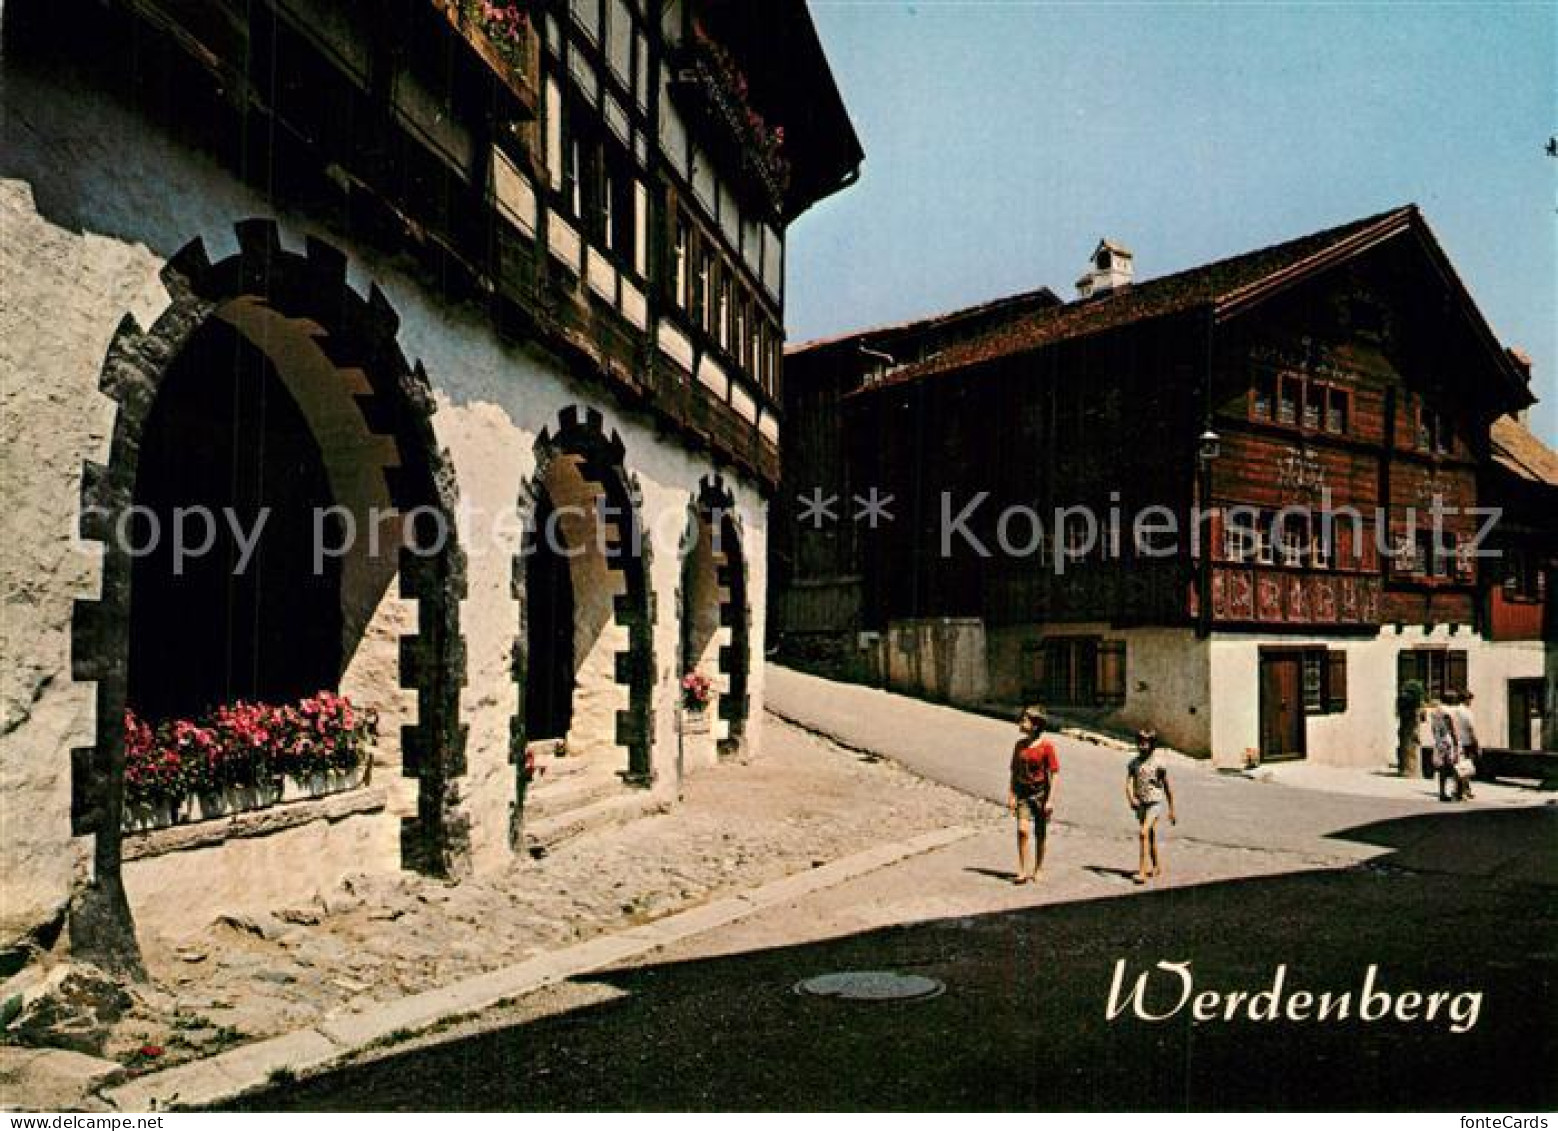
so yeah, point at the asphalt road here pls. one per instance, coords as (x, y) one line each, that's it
(971, 752)
(1022, 1024)
(1456, 900)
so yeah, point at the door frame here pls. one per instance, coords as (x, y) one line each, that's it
(1273, 656)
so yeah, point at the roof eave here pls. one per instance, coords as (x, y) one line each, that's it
(1406, 219)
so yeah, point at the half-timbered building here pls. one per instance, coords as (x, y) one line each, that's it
(1239, 504)
(461, 322)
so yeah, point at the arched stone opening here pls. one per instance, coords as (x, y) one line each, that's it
(715, 624)
(584, 655)
(218, 616)
(313, 388)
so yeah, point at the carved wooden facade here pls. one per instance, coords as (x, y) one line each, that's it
(1351, 385)
(536, 165)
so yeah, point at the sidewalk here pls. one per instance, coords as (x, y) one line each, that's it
(274, 986)
(254, 1066)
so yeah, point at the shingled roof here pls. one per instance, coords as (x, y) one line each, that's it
(1516, 449)
(1226, 287)
(1018, 303)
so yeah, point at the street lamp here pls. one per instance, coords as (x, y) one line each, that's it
(1209, 445)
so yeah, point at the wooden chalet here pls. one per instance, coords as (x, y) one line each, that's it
(1238, 503)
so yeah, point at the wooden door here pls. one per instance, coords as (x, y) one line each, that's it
(1525, 714)
(1281, 706)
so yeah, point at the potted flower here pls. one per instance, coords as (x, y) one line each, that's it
(697, 692)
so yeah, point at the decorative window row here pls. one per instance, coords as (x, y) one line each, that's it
(706, 286)
(747, 229)
(612, 28)
(1298, 541)
(596, 183)
(1297, 401)
(1421, 554)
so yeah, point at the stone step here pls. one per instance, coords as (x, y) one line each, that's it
(545, 834)
(556, 768)
(548, 796)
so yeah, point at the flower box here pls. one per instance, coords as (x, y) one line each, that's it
(242, 757)
(712, 87)
(501, 34)
(695, 720)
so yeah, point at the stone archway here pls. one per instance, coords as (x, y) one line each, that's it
(715, 613)
(260, 289)
(585, 547)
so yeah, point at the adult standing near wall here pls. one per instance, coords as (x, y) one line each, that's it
(1467, 747)
(1446, 751)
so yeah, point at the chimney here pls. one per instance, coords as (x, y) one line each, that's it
(1111, 269)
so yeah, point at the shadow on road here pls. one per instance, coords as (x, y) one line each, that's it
(993, 873)
(1022, 1024)
(1507, 843)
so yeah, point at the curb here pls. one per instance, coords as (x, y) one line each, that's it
(252, 1066)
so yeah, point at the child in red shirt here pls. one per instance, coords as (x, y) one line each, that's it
(1035, 767)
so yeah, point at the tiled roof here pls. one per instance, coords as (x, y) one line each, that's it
(1518, 450)
(1226, 283)
(1042, 297)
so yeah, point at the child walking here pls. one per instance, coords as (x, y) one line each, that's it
(1149, 795)
(1035, 766)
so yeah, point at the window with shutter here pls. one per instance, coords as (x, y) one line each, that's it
(1314, 681)
(1455, 670)
(1111, 673)
(1071, 671)
(1336, 681)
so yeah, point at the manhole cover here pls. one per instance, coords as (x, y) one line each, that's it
(871, 985)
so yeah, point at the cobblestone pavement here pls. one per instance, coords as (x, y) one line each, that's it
(803, 802)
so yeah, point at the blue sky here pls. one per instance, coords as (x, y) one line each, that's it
(1003, 139)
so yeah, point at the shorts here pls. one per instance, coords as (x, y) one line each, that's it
(1151, 811)
(1031, 808)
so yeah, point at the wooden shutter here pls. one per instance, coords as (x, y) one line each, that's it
(1335, 681)
(1455, 669)
(1111, 673)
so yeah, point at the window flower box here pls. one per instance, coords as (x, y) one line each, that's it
(501, 33)
(244, 756)
(713, 88)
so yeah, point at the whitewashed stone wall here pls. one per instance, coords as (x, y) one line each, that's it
(1363, 736)
(93, 202)
(1203, 696)
(1166, 679)
(942, 658)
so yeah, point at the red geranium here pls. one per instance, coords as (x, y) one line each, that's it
(244, 744)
